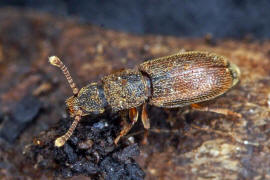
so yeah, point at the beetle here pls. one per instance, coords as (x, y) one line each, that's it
(173, 81)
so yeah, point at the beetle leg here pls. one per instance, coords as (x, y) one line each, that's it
(133, 115)
(146, 124)
(223, 111)
(60, 141)
(145, 119)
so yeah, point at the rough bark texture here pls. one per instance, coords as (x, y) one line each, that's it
(181, 143)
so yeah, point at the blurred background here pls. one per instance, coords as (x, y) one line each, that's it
(223, 18)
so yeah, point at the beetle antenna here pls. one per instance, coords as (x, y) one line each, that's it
(54, 60)
(60, 141)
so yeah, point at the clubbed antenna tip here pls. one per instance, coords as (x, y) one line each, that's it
(55, 61)
(59, 142)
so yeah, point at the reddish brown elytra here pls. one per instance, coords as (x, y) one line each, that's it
(174, 81)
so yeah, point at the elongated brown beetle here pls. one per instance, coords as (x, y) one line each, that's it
(173, 81)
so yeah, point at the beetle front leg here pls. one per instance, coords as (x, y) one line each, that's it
(133, 115)
(223, 111)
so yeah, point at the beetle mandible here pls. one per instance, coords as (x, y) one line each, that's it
(173, 81)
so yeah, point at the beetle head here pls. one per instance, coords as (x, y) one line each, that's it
(90, 100)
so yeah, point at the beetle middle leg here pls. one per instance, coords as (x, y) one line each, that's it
(133, 116)
(146, 124)
(223, 111)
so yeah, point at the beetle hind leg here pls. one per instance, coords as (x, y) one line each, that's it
(133, 115)
(223, 111)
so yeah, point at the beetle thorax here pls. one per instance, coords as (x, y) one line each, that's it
(125, 89)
